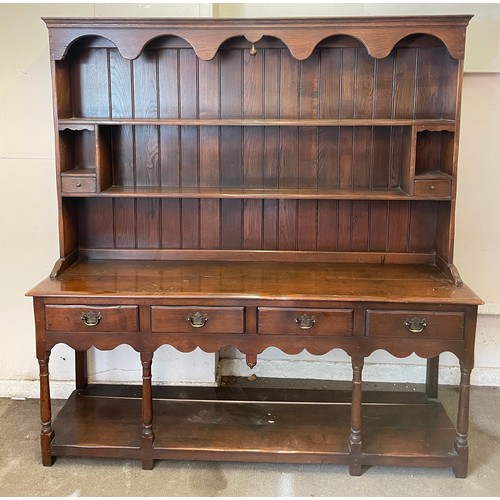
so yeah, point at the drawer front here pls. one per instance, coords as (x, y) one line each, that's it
(415, 324)
(433, 187)
(74, 318)
(329, 322)
(198, 320)
(74, 184)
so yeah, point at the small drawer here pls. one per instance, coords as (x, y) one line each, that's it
(197, 319)
(415, 324)
(328, 322)
(75, 184)
(74, 318)
(433, 187)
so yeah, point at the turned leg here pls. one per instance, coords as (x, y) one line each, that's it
(46, 432)
(147, 411)
(355, 444)
(461, 445)
(432, 378)
(81, 369)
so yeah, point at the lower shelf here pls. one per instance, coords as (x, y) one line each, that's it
(275, 425)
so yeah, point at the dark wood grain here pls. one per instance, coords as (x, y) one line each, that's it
(286, 183)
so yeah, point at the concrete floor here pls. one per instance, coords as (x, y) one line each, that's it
(21, 473)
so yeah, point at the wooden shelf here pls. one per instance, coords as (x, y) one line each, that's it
(305, 426)
(79, 172)
(422, 124)
(257, 193)
(433, 174)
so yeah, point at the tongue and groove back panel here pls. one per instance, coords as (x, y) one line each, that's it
(339, 81)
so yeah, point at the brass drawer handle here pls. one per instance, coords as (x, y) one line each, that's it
(91, 318)
(305, 321)
(197, 320)
(415, 325)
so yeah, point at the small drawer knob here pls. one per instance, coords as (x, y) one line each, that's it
(415, 325)
(91, 318)
(78, 184)
(433, 188)
(305, 321)
(197, 320)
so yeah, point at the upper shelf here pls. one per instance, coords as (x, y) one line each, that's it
(378, 34)
(421, 124)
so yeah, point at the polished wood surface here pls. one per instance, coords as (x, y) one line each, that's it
(257, 280)
(254, 183)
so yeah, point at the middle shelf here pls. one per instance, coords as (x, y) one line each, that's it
(397, 159)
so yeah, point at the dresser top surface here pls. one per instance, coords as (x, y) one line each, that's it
(391, 283)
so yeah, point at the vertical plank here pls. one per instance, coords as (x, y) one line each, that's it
(147, 152)
(95, 223)
(231, 107)
(123, 155)
(378, 226)
(170, 223)
(146, 85)
(189, 171)
(270, 220)
(365, 85)
(289, 108)
(271, 110)
(287, 225)
(364, 99)
(124, 222)
(253, 106)
(327, 233)
(328, 156)
(404, 85)
(381, 157)
(306, 225)
(384, 86)
(429, 82)
(232, 224)
(344, 226)
(121, 85)
(252, 224)
(90, 84)
(188, 85)
(360, 229)
(209, 107)
(210, 227)
(347, 110)
(170, 160)
(329, 83)
(190, 223)
(346, 147)
(148, 218)
(168, 83)
(423, 222)
(363, 158)
(398, 223)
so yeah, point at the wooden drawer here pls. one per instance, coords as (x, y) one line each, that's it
(75, 184)
(75, 318)
(415, 324)
(433, 187)
(197, 319)
(278, 321)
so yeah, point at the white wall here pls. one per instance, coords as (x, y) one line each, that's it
(28, 219)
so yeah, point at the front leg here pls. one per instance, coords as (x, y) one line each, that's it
(147, 411)
(355, 443)
(461, 441)
(46, 432)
